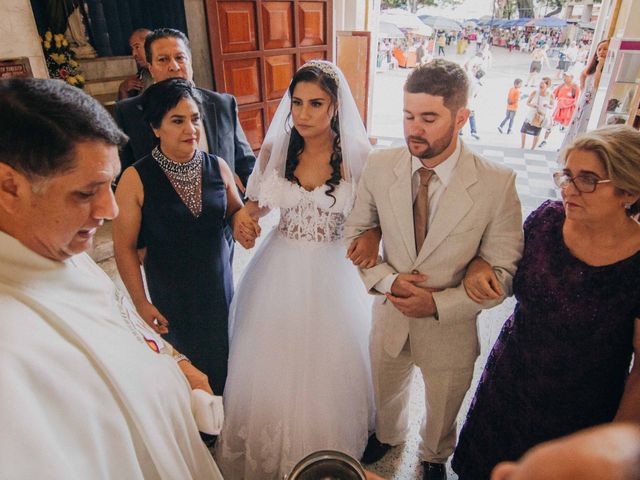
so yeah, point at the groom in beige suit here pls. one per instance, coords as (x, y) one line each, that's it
(439, 206)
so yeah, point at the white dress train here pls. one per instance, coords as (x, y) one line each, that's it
(299, 376)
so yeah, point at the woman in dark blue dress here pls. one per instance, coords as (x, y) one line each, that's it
(561, 362)
(176, 202)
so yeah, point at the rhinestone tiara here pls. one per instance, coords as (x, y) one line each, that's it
(326, 67)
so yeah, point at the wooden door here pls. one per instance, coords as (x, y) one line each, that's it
(352, 57)
(257, 45)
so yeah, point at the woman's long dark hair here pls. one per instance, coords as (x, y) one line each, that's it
(296, 142)
(593, 64)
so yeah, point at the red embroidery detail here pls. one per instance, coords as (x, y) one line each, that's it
(152, 345)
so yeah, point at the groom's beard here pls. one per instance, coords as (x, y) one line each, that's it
(431, 149)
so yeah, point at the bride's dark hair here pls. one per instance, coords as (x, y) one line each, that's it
(313, 74)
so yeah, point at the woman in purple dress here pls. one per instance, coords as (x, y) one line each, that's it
(561, 362)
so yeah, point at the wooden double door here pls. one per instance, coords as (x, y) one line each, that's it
(256, 47)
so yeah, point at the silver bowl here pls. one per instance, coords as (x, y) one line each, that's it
(327, 465)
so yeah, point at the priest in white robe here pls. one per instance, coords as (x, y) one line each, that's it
(87, 389)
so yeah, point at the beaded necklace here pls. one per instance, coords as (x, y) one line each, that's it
(186, 178)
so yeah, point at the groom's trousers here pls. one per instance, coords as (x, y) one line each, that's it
(443, 395)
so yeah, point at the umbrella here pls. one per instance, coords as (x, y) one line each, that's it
(484, 21)
(389, 30)
(400, 18)
(550, 22)
(469, 24)
(424, 30)
(405, 20)
(495, 23)
(440, 23)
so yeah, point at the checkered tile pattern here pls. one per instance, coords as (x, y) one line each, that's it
(533, 169)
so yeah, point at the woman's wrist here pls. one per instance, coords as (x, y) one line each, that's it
(140, 303)
(179, 357)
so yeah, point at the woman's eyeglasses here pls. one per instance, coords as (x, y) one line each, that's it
(583, 183)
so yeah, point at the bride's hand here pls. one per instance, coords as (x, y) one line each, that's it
(364, 250)
(245, 228)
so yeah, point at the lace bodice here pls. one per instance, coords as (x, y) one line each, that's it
(305, 215)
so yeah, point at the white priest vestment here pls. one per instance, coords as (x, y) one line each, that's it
(86, 391)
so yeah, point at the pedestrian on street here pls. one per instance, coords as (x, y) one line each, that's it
(419, 54)
(538, 56)
(512, 105)
(566, 97)
(539, 103)
(474, 89)
(441, 42)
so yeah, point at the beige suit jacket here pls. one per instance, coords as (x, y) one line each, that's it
(478, 214)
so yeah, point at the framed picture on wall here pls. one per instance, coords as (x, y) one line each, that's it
(15, 68)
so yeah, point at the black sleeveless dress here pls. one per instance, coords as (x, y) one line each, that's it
(187, 265)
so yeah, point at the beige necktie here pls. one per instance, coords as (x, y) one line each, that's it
(421, 208)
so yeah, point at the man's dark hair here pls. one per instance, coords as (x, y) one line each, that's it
(161, 97)
(440, 78)
(41, 121)
(164, 33)
(141, 30)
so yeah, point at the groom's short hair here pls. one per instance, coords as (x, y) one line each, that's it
(440, 78)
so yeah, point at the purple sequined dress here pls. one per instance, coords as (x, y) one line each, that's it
(562, 358)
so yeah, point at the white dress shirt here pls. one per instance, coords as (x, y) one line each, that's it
(437, 186)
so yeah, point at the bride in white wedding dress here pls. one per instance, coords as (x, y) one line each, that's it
(299, 377)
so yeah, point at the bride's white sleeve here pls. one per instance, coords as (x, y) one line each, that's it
(254, 184)
(263, 185)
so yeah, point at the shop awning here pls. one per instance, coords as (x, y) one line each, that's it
(551, 22)
(587, 25)
(516, 22)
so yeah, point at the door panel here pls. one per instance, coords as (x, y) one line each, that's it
(256, 47)
(251, 121)
(312, 19)
(243, 78)
(306, 56)
(352, 56)
(271, 111)
(277, 18)
(278, 73)
(237, 26)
